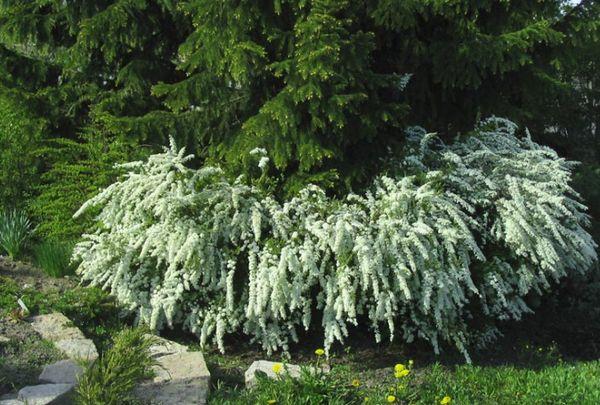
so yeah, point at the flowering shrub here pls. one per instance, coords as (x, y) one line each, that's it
(457, 230)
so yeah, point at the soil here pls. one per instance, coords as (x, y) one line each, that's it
(28, 276)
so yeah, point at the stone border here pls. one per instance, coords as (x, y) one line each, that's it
(57, 380)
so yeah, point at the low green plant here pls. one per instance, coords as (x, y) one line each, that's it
(54, 258)
(313, 386)
(15, 229)
(563, 383)
(111, 379)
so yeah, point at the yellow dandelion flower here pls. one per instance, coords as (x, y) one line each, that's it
(391, 398)
(399, 367)
(401, 373)
(277, 367)
(319, 352)
(356, 382)
(367, 399)
(410, 363)
(446, 400)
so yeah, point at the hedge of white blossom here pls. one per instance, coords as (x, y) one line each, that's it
(450, 233)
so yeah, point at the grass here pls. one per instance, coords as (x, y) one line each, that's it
(311, 388)
(573, 383)
(564, 383)
(54, 258)
(111, 379)
(15, 229)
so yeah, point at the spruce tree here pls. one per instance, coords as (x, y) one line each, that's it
(317, 83)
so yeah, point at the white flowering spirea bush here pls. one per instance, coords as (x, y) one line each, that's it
(461, 231)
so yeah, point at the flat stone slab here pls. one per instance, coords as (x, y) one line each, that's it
(163, 347)
(181, 378)
(55, 394)
(61, 372)
(78, 349)
(55, 327)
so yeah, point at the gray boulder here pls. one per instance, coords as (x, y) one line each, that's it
(61, 372)
(181, 378)
(55, 394)
(78, 349)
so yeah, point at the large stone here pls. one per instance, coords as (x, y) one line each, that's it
(162, 347)
(61, 372)
(180, 378)
(266, 367)
(55, 327)
(55, 394)
(78, 349)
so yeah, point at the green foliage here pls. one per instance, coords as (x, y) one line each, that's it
(563, 383)
(77, 170)
(20, 135)
(54, 258)
(15, 230)
(110, 379)
(317, 83)
(312, 387)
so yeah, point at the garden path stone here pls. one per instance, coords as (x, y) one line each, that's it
(55, 327)
(55, 394)
(266, 367)
(162, 347)
(78, 349)
(181, 378)
(61, 372)
(11, 402)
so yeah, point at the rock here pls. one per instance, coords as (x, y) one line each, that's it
(266, 367)
(10, 399)
(163, 347)
(43, 394)
(55, 327)
(61, 372)
(78, 349)
(181, 378)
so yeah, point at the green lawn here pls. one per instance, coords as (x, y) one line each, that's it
(565, 383)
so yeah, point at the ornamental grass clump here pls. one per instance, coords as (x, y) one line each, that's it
(449, 233)
(15, 230)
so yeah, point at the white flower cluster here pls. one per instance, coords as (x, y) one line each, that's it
(473, 228)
